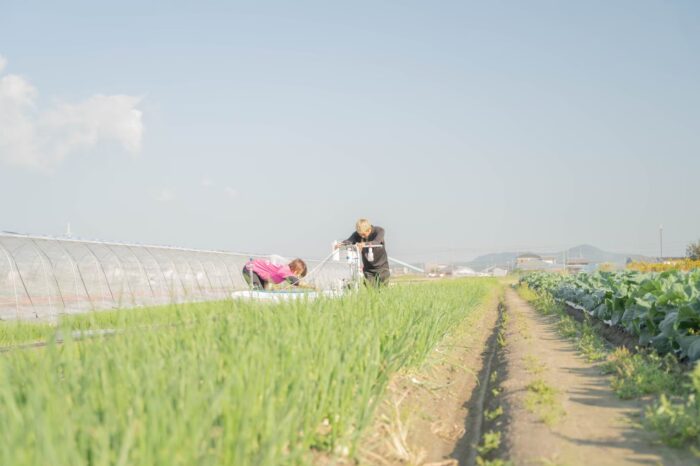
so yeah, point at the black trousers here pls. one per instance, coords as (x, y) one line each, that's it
(377, 277)
(253, 279)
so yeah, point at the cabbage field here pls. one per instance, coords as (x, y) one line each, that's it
(662, 309)
(238, 383)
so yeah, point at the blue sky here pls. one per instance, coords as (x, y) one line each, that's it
(461, 127)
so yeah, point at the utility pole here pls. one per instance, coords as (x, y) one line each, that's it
(661, 242)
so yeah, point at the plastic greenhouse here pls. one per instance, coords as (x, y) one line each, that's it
(43, 277)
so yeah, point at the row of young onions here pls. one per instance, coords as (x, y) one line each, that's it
(222, 383)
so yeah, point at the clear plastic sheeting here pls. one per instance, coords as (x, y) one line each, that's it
(41, 277)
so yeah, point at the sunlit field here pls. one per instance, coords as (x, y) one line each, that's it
(221, 383)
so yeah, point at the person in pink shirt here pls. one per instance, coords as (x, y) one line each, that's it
(260, 273)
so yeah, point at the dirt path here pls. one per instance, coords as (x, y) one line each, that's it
(432, 417)
(559, 409)
(517, 379)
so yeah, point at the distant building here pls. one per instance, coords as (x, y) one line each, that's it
(437, 270)
(526, 258)
(464, 272)
(495, 271)
(538, 265)
(577, 265)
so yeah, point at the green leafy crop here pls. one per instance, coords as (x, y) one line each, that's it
(662, 309)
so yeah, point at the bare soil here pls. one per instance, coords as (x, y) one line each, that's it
(591, 426)
(436, 416)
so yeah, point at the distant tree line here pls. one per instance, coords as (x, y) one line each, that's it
(693, 251)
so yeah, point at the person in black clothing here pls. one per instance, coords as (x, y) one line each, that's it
(375, 261)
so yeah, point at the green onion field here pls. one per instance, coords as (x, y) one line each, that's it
(234, 383)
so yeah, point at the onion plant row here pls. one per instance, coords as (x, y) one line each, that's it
(662, 309)
(223, 383)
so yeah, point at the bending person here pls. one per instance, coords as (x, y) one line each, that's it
(260, 273)
(375, 260)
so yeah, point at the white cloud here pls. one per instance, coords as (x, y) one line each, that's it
(164, 195)
(228, 191)
(43, 138)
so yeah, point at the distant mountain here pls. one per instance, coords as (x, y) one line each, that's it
(583, 251)
(502, 259)
(594, 254)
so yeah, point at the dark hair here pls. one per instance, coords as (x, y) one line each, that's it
(298, 265)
